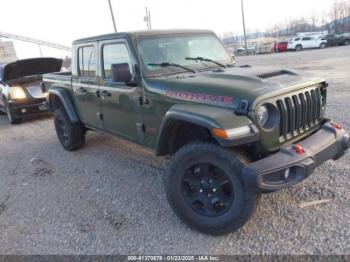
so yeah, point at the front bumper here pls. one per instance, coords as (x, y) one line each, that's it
(288, 167)
(28, 108)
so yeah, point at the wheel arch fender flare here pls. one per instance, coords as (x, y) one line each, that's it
(204, 116)
(66, 101)
(170, 118)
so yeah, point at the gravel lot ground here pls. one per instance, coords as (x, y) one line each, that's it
(108, 197)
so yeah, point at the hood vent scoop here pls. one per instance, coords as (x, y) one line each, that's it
(274, 74)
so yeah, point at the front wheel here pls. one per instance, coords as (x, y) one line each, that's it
(71, 135)
(347, 42)
(298, 48)
(205, 188)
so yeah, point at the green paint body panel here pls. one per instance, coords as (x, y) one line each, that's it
(209, 97)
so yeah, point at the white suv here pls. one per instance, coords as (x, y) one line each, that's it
(299, 43)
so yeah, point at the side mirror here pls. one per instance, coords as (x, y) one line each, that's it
(121, 72)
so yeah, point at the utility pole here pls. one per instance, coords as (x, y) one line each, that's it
(112, 15)
(245, 35)
(147, 18)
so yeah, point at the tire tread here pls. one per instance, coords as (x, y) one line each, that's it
(76, 131)
(251, 199)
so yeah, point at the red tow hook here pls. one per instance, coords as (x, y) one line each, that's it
(336, 125)
(299, 149)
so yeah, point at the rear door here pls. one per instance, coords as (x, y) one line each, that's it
(307, 42)
(122, 114)
(86, 85)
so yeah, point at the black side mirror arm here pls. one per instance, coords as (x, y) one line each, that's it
(135, 81)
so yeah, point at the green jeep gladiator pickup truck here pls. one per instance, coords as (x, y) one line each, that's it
(233, 132)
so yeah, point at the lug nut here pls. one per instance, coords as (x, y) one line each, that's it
(200, 190)
(214, 189)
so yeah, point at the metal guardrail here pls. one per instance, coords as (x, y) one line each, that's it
(34, 41)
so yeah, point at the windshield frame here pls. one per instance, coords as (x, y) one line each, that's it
(163, 71)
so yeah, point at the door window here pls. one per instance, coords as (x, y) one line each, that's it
(114, 54)
(306, 39)
(87, 61)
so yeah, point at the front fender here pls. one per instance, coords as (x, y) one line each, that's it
(208, 117)
(66, 101)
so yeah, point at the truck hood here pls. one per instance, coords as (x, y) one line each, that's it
(30, 67)
(229, 86)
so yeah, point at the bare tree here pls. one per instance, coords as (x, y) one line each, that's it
(314, 21)
(324, 21)
(334, 20)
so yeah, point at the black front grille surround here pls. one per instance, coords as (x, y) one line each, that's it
(299, 113)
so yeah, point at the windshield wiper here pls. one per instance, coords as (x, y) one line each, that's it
(167, 64)
(204, 59)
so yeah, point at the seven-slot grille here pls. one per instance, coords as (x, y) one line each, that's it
(299, 112)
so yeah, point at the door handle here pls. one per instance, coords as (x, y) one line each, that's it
(104, 93)
(82, 89)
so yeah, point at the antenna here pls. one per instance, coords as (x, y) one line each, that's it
(244, 31)
(112, 15)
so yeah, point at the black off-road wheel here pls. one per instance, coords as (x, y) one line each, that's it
(71, 135)
(10, 115)
(205, 188)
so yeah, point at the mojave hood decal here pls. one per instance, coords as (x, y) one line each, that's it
(200, 97)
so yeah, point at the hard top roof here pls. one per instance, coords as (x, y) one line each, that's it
(140, 33)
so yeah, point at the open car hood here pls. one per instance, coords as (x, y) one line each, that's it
(30, 67)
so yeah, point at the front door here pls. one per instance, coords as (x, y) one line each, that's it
(120, 103)
(85, 86)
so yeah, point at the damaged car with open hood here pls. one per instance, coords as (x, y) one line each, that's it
(231, 132)
(20, 91)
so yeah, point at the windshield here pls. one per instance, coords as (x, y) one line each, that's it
(175, 50)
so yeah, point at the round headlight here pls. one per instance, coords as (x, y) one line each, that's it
(16, 92)
(262, 115)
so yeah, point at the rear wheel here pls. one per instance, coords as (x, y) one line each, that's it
(323, 45)
(10, 115)
(347, 42)
(298, 48)
(71, 135)
(206, 190)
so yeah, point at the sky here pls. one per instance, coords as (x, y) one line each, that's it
(62, 21)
